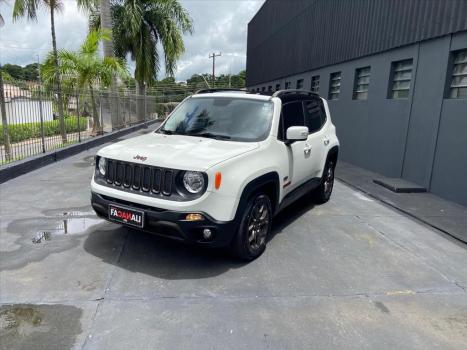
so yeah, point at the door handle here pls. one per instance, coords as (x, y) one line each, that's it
(307, 150)
(326, 141)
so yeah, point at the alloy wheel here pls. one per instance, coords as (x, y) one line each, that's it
(258, 225)
(329, 180)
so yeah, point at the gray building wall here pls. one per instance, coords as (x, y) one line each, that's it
(289, 37)
(423, 138)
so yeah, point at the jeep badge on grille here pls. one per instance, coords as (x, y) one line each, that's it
(141, 158)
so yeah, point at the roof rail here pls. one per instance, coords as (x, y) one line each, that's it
(293, 91)
(209, 91)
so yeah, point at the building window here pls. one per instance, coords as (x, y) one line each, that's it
(257, 89)
(458, 87)
(263, 89)
(335, 85)
(278, 87)
(300, 84)
(401, 74)
(270, 88)
(362, 82)
(287, 85)
(315, 83)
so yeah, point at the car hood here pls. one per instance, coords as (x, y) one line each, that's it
(176, 151)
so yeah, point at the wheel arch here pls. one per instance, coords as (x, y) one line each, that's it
(333, 154)
(268, 184)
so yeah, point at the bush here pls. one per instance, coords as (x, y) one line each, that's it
(24, 131)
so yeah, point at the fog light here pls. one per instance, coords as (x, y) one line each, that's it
(207, 233)
(194, 217)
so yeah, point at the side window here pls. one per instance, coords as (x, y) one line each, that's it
(313, 115)
(292, 115)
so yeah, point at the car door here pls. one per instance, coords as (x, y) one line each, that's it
(300, 165)
(315, 118)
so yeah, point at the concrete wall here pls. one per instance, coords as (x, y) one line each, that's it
(423, 138)
(27, 111)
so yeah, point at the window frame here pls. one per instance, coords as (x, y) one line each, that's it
(392, 82)
(331, 79)
(315, 78)
(299, 82)
(358, 83)
(452, 75)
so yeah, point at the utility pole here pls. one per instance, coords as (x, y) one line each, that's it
(213, 56)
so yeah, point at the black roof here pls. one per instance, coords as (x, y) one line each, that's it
(282, 94)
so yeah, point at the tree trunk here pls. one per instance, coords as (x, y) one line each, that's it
(6, 135)
(140, 100)
(96, 125)
(57, 77)
(106, 24)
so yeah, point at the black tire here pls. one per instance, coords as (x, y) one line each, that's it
(323, 192)
(253, 231)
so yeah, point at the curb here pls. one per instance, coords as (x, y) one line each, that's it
(402, 210)
(15, 169)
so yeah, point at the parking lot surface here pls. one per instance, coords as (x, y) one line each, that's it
(350, 274)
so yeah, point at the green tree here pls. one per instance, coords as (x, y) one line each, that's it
(199, 81)
(139, 26)
(29, 8)
(15, 71)
(31, 72)
(85, 69)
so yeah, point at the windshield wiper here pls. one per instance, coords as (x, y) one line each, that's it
(166, 132)
(212, 136)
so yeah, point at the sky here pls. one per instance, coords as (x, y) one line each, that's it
(220, 26)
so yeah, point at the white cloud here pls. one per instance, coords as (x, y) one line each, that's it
(220, 26)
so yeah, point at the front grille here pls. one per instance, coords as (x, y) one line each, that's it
(139, 178)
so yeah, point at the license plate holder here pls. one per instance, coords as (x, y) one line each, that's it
(125, 215)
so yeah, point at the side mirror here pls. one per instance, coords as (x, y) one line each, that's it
(296, 133)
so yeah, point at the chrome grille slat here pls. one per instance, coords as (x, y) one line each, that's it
(146, 179)
(136, 185)
(156, 180)
(128, 175)
(167, 183)
(119, 173)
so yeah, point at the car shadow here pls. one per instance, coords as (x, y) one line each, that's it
(149, 254)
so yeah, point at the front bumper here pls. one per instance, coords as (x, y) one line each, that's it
(171, 224)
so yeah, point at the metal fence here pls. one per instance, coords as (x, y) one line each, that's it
(31, 124)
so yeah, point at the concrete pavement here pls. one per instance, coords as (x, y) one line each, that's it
(350, 274)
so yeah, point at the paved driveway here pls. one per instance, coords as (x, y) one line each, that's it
(351, 274)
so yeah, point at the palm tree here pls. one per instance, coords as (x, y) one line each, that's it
(105, 18)
(139, 26)
(29, 9)
(2, 21)
(85, 69)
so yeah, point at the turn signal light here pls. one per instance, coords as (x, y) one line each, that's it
(194, 217)
(217, 180)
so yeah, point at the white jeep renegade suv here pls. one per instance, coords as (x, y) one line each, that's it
(220, 167)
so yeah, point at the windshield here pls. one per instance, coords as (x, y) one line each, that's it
(221, 118)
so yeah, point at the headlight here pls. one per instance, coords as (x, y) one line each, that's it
(193, 181)
(102, 166)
